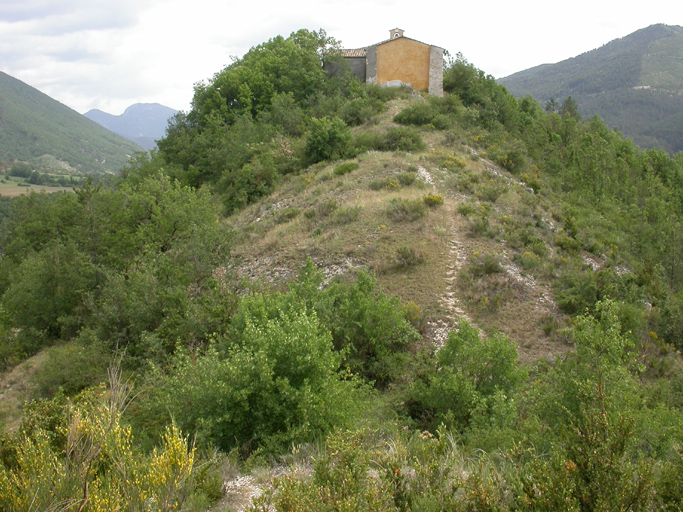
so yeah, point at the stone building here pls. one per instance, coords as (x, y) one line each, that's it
(397, 60)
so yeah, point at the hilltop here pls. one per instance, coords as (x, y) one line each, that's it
(142, 123)
(353, 220)
(634, 83)
(36, 128)
(366, 298)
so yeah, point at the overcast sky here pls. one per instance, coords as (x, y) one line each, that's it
(110, 54)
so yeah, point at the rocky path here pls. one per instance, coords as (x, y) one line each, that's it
(449, 302)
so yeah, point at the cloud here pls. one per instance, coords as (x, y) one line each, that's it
(109, 55)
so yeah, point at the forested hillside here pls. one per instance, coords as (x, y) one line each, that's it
(633, 83)
(321, 295)
(34, 127)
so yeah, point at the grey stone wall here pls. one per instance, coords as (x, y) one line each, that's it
(354, 65)
(357, 67)
(371, 65)
(436, 71)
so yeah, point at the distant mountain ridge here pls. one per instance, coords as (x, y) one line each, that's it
(143, 123)
(634, 83)
(33, 126)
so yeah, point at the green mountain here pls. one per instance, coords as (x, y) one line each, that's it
(634, 83)
(35, 128)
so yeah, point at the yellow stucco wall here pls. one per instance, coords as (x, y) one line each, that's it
(405, 60)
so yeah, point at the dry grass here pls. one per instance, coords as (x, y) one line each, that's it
(344, 223)
(16, 388)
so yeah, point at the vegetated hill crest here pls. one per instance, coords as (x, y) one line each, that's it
(634, 83)
(426, 224)
(34, 125)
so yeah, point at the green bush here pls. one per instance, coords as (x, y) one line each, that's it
(419, 114)
(367, 141)
(576, 291)
(370, 325)
(388, 183)
(345, 168)
(400, 138)
(286, 214)
(342, 480)
(322, 209)
(328, 139)
(406, 178)
(528, 260)
(433, 200)
(408, 257)
(470, 372)
(484, 265)
(466, 209)
(360, 110)
(440, 113)
(348, 214)
(87, 365)
(280, 382)
(406, 210)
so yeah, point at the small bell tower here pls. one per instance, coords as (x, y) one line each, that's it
(395, 33)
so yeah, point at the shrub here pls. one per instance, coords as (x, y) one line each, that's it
(440, 113)
(484, 265)
(470, 371)
(480, 225)
(389, 183)
(406, 210)
(400, 138)
(367, 141)
(370, 326)
(466, 209)
(489, 191)
(567, 243)
(87, 364)
(419, 114)
(348, 214)
(328, 139)
(528, 260)
(512, 155)
(345, 168)
(286, 215)
(408, 257)
(279, 383)
(453, 163)
(95, 463)
(432, 200)
(576, 292)
(343, 480)
(322, 209)
(360, 110)
(406, 178)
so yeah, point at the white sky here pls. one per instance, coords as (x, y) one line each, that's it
(110, 54)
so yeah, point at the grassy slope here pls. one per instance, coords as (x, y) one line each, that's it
(33, 124)
(279, 232)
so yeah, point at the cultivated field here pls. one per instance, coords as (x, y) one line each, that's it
(12, 188)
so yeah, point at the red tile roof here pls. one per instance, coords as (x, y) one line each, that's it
(358, 52)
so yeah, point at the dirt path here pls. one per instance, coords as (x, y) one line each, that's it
(15, 389)
(449, 301)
